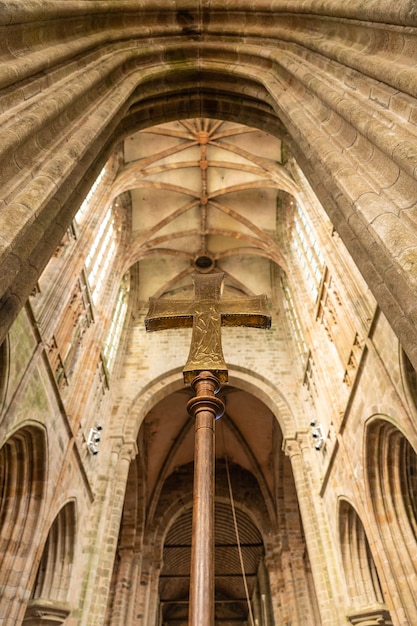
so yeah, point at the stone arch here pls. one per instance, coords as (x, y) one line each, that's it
(391, 471)
(366, 601)
(296, 85)
(274, 514)
(50, 592)
(246, 380)
(173, 522)
(23, 474)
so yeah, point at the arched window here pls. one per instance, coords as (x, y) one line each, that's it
(82, 211)
(230, 594)
(294, 320)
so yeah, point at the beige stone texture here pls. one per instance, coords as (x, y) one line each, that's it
(274, 141)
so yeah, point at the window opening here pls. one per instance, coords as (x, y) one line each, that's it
(81, 213)
(101, 254)
(308, 252)
(115, 330)
(294, 320)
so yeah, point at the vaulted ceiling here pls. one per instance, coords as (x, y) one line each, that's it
(204, 195)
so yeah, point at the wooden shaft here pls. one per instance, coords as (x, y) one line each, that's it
(205, 407)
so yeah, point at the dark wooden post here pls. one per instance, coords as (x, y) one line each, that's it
(205, 407)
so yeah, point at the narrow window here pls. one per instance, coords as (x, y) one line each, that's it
(82, 211)
(101, 254)
(308, 252)
(294, 321)
(115, 330)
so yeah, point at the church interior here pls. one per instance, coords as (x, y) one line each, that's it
(147, 143)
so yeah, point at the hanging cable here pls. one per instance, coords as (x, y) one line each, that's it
(232, 504)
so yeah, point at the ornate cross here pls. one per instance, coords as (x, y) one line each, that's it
(206, 314)
(205, 370)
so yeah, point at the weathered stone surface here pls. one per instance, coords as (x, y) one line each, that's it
(325, 86)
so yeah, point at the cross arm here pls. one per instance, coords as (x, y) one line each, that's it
(252, 311)
(165, 314)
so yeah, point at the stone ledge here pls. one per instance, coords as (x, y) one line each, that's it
(46, 612)
(370, 616)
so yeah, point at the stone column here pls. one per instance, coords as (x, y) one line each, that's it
(131, 611)
(144, 587)
(123, 588)
(290, 612)
(302, 599)
(325, 573)
(273, 566)
(153, 594)
(106, 523)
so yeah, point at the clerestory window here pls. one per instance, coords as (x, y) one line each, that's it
(308, 252)
(294, 320)
(82, 211)
(101, 255)
(115, 330)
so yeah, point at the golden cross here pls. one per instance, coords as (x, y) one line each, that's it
(206, 314)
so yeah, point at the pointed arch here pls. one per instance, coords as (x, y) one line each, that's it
(391, 464)
(23, 475)
(54, 573)
(362, 580)
(230, 600)
(50, 592)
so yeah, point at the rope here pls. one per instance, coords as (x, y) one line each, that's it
(232, 504)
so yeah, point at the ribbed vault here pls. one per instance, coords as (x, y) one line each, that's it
(339, 79)
(204, 194)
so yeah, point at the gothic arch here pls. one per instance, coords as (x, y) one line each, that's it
(169, 536)
(307, 84)
(366, 599)
(246, 380)
(391, 470)
(50, 592)
(229, 588)
(23, 473)
(137, 587)
(271, 505)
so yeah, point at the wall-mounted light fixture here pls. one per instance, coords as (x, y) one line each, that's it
(94, 438)
(317, 433)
